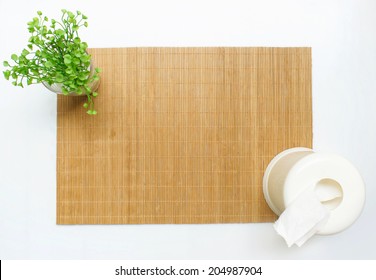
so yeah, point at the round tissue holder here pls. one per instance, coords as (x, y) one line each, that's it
(336, 182)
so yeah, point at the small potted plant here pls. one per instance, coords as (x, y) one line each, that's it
(56, 57)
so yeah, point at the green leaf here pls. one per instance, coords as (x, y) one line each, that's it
(6, 64)
(77, 40)
(25, 52)
(75, 27)
(82, 76)
(30, 46)
(98, 70)
(14, 83)
(73, 89)
(48, 64)
(86, 24)
(91, 112)
(83, 46)
(76, 61)
(14, 57)
(87, 88)
(39, 13)
(86, 105)
(59, 32)
(59, 78)
(84, 17)
(29, 81)
(85, 58)
(6, 74)
(95, 94)
(67, 61)
(44, 54)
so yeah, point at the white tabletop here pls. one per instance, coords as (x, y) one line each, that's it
(342, 35)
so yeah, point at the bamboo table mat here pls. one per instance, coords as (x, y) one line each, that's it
(182, 135)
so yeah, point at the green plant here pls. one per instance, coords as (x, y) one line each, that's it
(55, 54)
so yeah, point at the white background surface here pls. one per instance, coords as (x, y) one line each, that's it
(342, 35)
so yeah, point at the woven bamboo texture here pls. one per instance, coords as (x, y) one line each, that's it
(182, 135)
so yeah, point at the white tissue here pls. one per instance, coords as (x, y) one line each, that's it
(302, 219)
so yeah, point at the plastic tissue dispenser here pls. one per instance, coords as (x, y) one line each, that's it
(313, 193)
